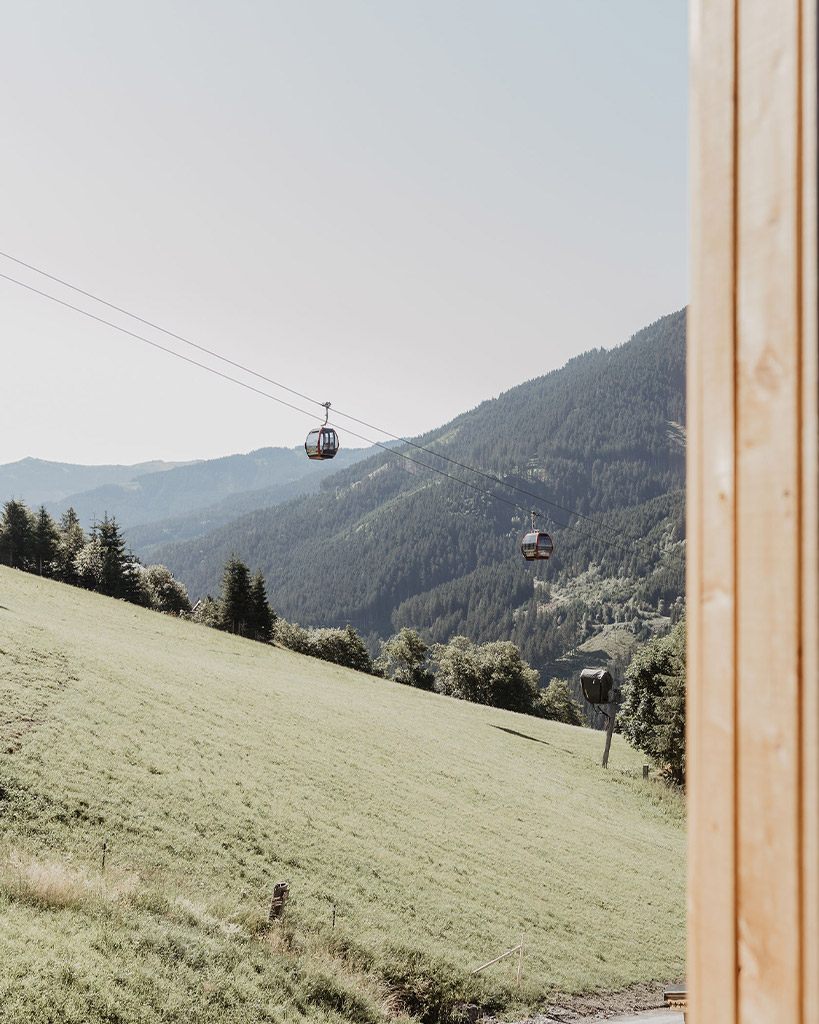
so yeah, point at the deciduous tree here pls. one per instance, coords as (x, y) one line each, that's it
(652, 717)
(556, 703)
(403, 657)
(164, 592)
(493, 674)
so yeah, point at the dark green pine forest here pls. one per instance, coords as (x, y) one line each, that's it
(389, 543)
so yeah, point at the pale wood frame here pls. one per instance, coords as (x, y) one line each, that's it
(753, 565)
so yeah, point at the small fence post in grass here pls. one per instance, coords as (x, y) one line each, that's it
(281, 890)
(334, 913)
(520, 961)
(645, 771)
(104, 848)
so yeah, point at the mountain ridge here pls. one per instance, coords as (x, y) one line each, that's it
(189, 488)
(43, 481)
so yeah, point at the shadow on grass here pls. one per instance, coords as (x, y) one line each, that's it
(523, 735)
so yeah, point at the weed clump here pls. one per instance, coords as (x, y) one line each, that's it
(428, 987)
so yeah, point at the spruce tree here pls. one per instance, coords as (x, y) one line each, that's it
(72, 541)
(235, 603)
(15, 534)
(116, 572)
(262, 615)
(45, 541)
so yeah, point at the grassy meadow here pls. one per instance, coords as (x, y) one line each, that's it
(212, 767)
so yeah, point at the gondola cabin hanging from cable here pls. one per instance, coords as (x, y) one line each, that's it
(322, 443)
(537, 544)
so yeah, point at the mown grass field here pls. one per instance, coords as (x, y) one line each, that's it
(213, 766)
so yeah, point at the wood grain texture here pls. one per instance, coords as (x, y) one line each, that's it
(810, 519)
(753, 525)
(768, 488)
(710, 530)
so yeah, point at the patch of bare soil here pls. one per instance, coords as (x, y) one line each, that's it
(597, 1005)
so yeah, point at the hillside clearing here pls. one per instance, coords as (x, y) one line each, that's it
(213, 767)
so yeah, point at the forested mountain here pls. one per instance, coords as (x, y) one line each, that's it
(39, 482)
(389, 543)
(147, 538)
(245, 482)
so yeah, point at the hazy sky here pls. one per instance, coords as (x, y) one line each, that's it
(400, 206)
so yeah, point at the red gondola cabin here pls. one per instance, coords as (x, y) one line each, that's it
(321, 443)
(536, 545)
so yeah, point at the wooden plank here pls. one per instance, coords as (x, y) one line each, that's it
(753, 518)
(710, 521)
(810, 521)
(768, 483)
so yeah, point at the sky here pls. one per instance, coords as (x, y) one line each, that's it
(403, 208)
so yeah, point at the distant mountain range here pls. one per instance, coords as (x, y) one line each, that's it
(160, 502)
(39, 482)
(151, 497)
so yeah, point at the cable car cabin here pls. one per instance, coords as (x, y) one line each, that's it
(321, 443)
(536, 545)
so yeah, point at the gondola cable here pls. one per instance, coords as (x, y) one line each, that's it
(289, 405)
(269, 380)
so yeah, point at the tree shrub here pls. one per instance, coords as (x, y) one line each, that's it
(403, 659)
(652, 716)
(493, 674)
(557, 704)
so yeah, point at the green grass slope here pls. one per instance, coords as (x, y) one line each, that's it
(214, 767)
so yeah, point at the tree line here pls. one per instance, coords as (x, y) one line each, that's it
(492, 673)
(60, 549)
(652, 717)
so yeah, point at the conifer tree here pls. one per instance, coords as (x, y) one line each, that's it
(262, 616)
(15, 534)
(72, 541)
(235, 603)
(116, 575)
(45, 541)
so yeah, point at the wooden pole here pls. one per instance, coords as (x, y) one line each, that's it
(503, 956)
(520, 961)
(609, 733)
